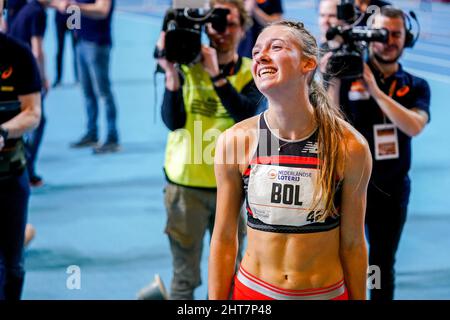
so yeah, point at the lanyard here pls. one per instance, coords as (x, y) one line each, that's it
(392, 88)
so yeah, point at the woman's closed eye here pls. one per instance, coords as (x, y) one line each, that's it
(276, 47)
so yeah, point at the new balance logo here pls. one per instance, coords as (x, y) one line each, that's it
(311, 148)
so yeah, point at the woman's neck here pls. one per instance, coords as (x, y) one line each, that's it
(292, 116)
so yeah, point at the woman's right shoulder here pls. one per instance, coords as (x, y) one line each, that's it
(247, 127)
(247, 124)
(239, 142)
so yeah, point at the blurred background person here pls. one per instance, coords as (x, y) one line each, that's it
(395, 109)
(61, 31)
(327, 18)
(262, 12)
(29, 26)
(364, 6)
(21, 75)
(13, 7)
(94, 44)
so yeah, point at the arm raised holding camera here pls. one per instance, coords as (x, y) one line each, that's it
(172, 110)
(410, 121)
(172, 75)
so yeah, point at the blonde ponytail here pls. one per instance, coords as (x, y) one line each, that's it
(330, 136)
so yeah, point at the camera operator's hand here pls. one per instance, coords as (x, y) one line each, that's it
(209, 61)
(371, 82)
(165, 65)
(324, 62)
(172, 77)
(250, 6)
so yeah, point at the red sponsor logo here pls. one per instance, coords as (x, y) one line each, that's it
(7, 73)
(272, 174)
(402, 91)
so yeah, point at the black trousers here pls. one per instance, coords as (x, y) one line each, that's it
(14, 195)
(61, 30)
(385, 218)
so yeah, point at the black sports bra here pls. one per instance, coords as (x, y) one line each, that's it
(279, 185)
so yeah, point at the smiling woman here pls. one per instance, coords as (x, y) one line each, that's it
(306, 235)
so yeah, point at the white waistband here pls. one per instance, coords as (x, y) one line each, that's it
(266, 289)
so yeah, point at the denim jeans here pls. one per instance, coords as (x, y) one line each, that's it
(14, 195)
(93, 64)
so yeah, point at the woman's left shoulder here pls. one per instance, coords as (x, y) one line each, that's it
(353, 142)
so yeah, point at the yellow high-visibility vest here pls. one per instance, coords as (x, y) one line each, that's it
(189, 159)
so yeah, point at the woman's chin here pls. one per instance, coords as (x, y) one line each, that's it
(266, 83)
(267, 87)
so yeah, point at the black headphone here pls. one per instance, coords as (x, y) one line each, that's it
(410, 38)
(5, 5)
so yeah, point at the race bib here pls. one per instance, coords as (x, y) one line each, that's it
(283, 195)
(386, 141)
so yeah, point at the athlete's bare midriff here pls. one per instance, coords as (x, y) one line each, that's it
(289, 260)
(294, 261)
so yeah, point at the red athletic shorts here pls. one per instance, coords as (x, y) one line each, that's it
(248, 287)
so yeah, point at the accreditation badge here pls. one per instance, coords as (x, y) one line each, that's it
(386, 141)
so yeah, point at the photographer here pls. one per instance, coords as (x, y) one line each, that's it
(20, 111)
(390, 109)
(215, 94)
(327, 17)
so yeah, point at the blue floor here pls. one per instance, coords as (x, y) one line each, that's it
(105, 214)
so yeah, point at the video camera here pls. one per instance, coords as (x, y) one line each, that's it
(347, 61)
(183, 27)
